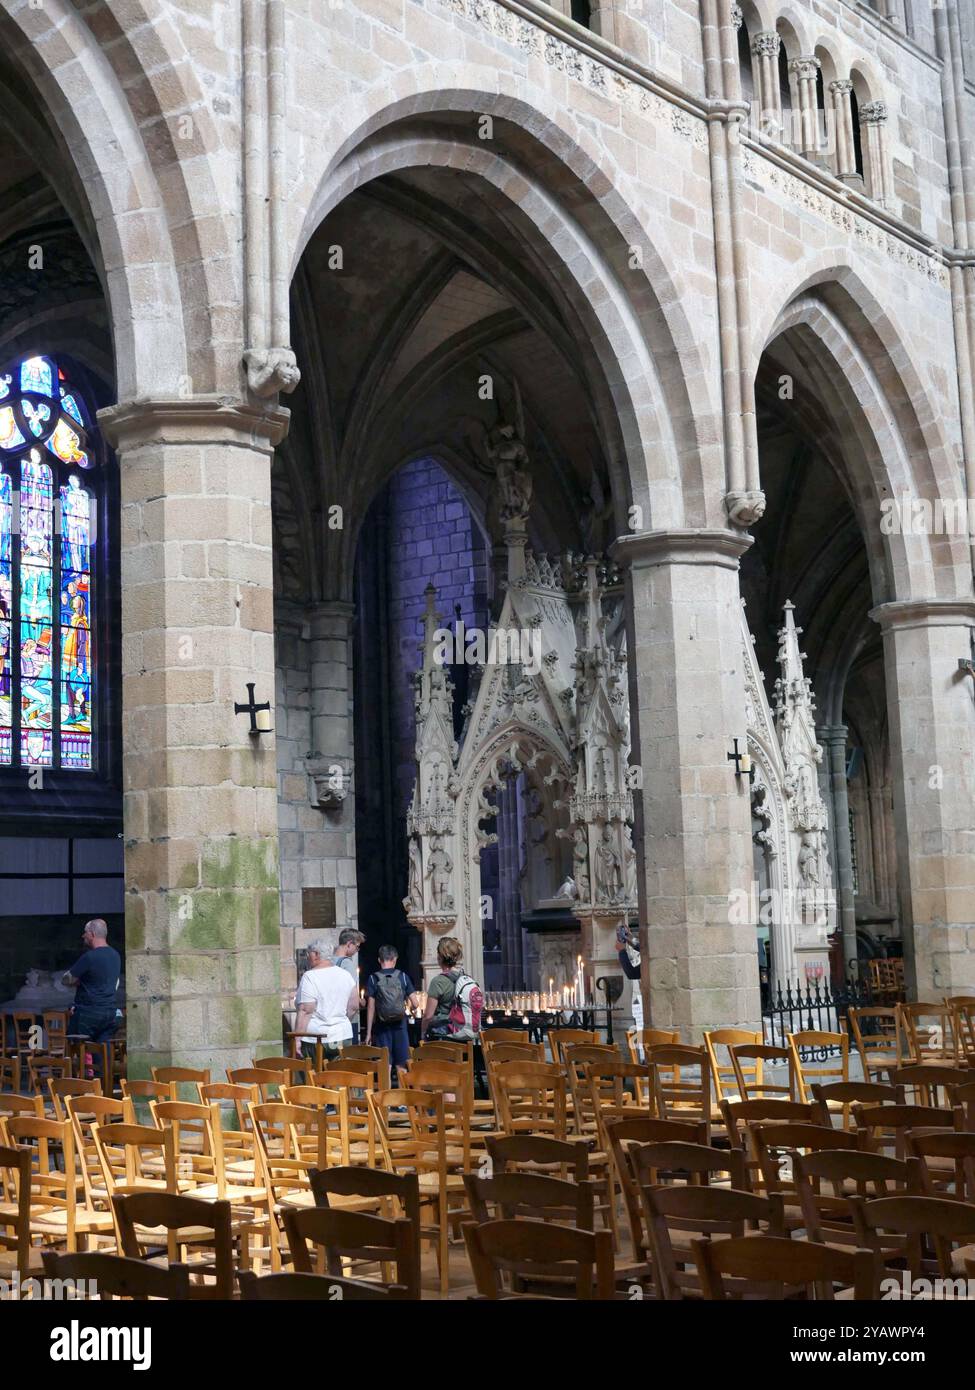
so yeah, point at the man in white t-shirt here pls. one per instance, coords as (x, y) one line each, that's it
(326, 1001)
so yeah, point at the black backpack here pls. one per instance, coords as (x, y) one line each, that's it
(390, 997)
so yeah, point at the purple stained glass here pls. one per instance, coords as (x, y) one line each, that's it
(5, 746)
(36, 375)
(75, 750)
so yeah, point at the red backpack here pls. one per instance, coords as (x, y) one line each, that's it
(467, 1005)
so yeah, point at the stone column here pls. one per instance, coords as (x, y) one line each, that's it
(203, 973)
(330, 847)
(804, 70)
(765, 69)
(846, 167)
(833, 738)
(931, 711)
(687, 702)
(873, 124)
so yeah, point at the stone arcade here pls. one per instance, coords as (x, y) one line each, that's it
(599, 321)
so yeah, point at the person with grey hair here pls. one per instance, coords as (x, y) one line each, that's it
(96, 973)
(326, 1000)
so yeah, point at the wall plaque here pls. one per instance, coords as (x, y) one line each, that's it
(318, 909)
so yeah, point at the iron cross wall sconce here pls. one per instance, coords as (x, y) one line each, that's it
(744, 767)
(260, 714)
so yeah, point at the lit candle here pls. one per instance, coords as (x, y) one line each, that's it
(746, 762)
(263, 720)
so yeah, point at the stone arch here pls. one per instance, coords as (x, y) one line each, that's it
(656, 406)
(111, 91)
(865, 379)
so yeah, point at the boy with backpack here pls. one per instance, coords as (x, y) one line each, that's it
(388, 991)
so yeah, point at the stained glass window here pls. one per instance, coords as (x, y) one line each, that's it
(47, 539)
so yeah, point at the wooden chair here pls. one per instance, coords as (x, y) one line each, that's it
(886, 1126)
(928, 1033)
(530, 1097)
(962, 1007)
(297, 1069)
(333, 1105)
(560, 1038)
(16, 1252)
(193, 1142)
(454, 1083)
(265, 1081)
(825, 1179)
(13, 1104)
(674, 1213)
(500, 1052)
(947, 1224)
(947, 1161)
(749, 1060)
(370, 1071)
(533, 1196)
(55, 1213)
(240, 1160)
(775, 1146)
(775, 1267)
(624, 1134)
(60, 1087)
(490, 1036)
(726, 1085)
(24, 1024)
(117, 1276)
(419, 1146)
(886, 976)
(194, 1232)
(55, 1025)
(145, 1091)
(290, 1141)
(360, 1052)
(84, 1112)
(576, 1060)
(804, 1073)
(681, 1096)
(86, 1059)
(41, 1069)
(357, 1238)
(930, 1083)
(665, 1160)
(841, 1095)
(638, 1040)
(329, 1288)
(368, 1189)
(356, 1084)
(181, 1076)
(877, 1037)
(567, 1159)
(741, 1115)
(529, 1249)
(125, 1153)
(9, 1072)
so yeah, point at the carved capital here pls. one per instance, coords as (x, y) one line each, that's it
(842, 86)
(270, 370)
(745, 508)
(805, 68)
(737, 18)
(873, 113)
(766, 44)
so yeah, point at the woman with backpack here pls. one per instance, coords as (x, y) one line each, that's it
(454, 999)
(388, 991)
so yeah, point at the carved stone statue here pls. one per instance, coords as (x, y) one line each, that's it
(809, 874)
(413, 902)
(439, 869)
(270, 370)
(609, 869)
(507, 452)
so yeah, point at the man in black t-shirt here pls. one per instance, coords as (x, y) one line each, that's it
(96, 973)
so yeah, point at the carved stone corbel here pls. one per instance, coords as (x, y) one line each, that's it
(331, 781)
(270, 370)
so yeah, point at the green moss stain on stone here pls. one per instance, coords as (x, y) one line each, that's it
(234, 863)
(269, 919)
(214, 919)
(135, 922)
